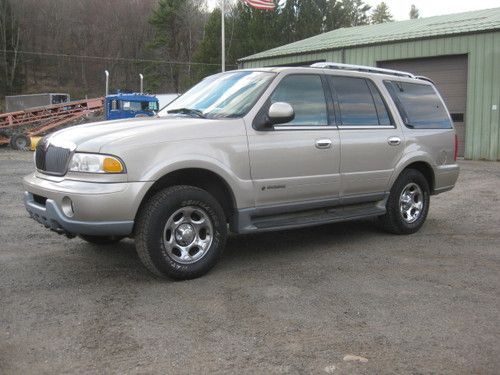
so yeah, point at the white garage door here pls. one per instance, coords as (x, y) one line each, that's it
(450, 75)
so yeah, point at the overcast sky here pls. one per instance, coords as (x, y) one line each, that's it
(401, 8)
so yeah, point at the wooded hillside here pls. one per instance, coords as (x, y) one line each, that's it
(65, 45)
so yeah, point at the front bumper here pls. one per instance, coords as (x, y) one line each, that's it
(51, 217)
(101, 209)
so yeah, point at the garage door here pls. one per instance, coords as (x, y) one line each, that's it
(450, 75)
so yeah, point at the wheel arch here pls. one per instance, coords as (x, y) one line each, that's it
(202, 178)
(420, 164)
(426, 170)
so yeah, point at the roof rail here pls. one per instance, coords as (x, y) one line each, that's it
(424, 78)
(361, 68)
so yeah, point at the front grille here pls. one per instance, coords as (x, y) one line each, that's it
(51, 159)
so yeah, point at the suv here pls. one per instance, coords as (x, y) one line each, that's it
(247, 151)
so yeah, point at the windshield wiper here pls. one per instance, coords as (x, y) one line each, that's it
(188, 111)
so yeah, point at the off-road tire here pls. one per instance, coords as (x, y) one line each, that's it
(16, 139)
(152, 219)
(393, 220)
(100, 240)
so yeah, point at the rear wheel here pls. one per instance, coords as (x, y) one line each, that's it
(181, 232)
(20, 142)
(101, 240)
(408, 203)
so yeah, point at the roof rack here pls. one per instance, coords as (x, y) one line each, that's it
(424, 78)
(362, 68)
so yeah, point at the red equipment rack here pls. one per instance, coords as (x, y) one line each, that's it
(38, 121)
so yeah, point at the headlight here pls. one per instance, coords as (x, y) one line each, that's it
(96, 163)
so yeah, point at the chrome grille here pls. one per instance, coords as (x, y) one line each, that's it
(51, 159)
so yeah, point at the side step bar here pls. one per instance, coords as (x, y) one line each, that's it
(247, 224)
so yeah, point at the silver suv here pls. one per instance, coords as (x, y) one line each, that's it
(248, 151)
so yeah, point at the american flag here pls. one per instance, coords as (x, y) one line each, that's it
(261, 4)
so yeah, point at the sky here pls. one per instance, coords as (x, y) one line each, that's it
(401, 8)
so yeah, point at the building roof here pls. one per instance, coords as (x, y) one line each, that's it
(421, 28)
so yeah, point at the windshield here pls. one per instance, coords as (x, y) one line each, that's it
(229, 94)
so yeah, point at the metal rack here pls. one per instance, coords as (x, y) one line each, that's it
(362, 68)
(38, 121)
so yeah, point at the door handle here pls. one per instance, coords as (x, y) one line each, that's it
(323, 143)
(394, 141)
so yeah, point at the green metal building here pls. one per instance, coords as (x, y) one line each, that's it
(460, 52)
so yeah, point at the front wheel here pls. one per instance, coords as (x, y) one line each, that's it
(180, 232)
(408, 203)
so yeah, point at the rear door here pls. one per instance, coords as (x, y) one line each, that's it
(300, 160)
(371, 143)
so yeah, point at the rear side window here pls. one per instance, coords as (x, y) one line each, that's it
(419, 105)
(305, 93)
(359, 101)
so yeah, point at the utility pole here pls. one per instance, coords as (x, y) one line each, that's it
(107, 82)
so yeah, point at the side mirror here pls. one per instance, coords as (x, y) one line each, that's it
(280, 113)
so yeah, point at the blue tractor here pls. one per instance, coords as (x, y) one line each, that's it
(123, 105)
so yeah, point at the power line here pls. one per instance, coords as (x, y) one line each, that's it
(124, 59)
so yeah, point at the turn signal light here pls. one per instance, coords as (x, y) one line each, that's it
(112, 165)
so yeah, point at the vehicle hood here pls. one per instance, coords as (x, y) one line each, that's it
(93, 137)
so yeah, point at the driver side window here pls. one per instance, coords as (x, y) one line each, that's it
(304, 92)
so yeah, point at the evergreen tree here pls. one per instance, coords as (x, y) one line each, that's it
(308, 19)
(414, 12)
(250, 30)
(209, 48)
(172, 40)
(381, 14)
(356, 13)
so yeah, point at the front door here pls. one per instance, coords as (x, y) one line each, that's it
(300, 160)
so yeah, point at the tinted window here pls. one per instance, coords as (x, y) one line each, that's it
(382, 113)
(306, 95)
(356, 103)
(419, 105)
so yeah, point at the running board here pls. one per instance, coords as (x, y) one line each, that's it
(309, 217)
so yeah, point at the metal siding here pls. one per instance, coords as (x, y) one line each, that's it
(487, 72)
(495, 99)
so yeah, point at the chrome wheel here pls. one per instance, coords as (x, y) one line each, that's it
(411, 202)
(188, 234)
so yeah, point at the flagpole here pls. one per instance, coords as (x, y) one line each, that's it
(223, 36)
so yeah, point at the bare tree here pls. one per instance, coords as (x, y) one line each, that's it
(9, 46)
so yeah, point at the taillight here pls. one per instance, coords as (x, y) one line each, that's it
(455, 155)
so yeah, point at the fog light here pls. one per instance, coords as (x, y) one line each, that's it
(67, 207)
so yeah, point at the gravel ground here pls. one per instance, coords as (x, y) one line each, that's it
(340, 299)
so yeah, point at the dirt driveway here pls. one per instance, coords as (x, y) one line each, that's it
(294, 302)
